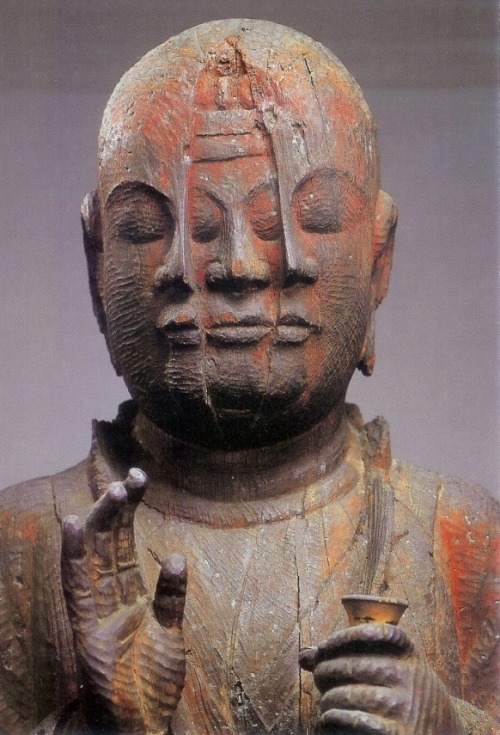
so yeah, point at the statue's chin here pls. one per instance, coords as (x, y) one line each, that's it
(227, 420)
(220, 407)
(248, 385)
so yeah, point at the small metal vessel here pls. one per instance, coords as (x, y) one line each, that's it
(362, 609)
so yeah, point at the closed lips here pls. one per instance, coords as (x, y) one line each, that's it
(240, 332)
(294, 329)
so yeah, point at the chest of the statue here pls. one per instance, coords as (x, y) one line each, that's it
(260, 591)
(256, 595)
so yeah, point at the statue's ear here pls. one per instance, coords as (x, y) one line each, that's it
(92, 240)
(386, 218)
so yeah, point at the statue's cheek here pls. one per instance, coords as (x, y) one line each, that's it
(129, 305)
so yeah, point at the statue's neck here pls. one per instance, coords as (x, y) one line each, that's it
(245, 475)
(236, 489)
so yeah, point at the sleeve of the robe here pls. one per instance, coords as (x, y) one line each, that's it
(467, 531)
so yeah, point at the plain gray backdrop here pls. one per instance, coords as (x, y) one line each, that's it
(428, 70)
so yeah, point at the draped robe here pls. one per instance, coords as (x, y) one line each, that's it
(265, 579)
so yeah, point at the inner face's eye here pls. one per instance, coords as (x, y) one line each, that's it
(264, 212)
(205, 218)
(328, 202)
(139, 214)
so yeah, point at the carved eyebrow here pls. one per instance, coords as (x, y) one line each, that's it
(334, 174)
(271, 186)
(131, 189)
(202, 191)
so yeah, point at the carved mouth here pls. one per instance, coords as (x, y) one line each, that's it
(294, 329)
(243, 332)
(237, 334)
(179, 327)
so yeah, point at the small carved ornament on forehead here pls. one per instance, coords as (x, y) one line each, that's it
(228, 123)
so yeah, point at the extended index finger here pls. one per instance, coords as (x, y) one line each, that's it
(100, 541)
(135, 485)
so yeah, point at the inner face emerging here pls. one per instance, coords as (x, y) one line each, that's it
(235, 325)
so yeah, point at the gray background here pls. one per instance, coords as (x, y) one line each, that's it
(428, 70)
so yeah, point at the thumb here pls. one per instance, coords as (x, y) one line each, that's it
(308, 658)
(170, 595)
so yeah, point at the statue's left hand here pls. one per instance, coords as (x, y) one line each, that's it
(373, 683)
(129, 649)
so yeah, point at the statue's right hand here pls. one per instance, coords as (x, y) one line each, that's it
(129, 649)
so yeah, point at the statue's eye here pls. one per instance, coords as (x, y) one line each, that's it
(264, 213)
(205, 219)
(139, 214)
(327, 202)
(317, 203)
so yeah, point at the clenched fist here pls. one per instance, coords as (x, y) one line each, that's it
(373, 683)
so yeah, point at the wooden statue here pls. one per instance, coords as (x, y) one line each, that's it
(238, 246)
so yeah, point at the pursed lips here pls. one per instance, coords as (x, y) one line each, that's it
(181, 327)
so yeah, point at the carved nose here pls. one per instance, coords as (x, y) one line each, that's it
(238, 276)
(176, 271)
(298, 269)
(301, 271)
(241, 269)
(165, 278)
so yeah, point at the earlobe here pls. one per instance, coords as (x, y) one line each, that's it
(386, 217)
(92, 240)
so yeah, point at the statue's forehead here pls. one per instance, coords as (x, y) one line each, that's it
(216, 100)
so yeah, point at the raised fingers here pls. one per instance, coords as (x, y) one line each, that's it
(129, 577)
(135, 486)
(170, 595)
(100, 540)
(110, 545)
(100, 523)
(75, 581)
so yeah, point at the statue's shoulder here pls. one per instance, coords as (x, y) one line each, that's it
(424, 490)
(424, 494)
(461, 521)
(43, 502)
(34, 631)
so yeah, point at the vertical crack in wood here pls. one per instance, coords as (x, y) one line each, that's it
(296, 521)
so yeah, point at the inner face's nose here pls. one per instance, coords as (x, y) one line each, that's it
(238, 232)
(241, 266)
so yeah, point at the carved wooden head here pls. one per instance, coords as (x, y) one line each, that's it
(238, 243)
